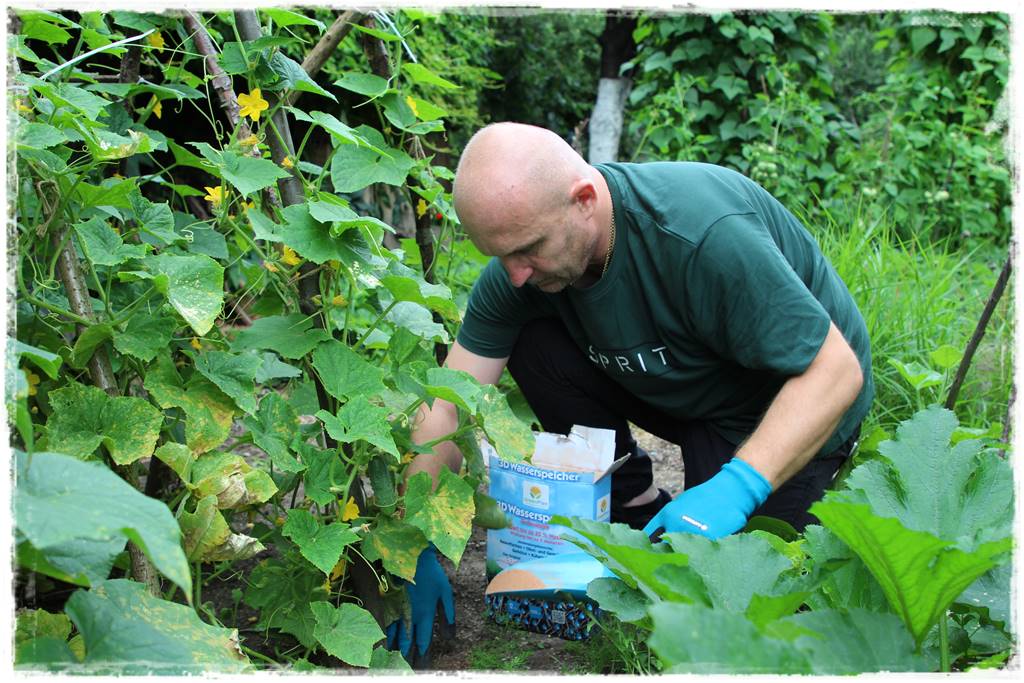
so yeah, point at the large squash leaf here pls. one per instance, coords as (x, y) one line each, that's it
(59, 499)
(128, 631)
(347, 632)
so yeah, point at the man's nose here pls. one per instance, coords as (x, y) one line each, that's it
(518, 270)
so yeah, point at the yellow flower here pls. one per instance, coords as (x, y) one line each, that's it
(33, 382)
(339, 569)
(279, 521)
(407, 458)
(117, 175)
(248, 205)
(195, 344)
(20, 103)
(250, 141)
(158, 107)
(412, 104)
(339, 300)
(334, 265)
(287, 162)
(351, 510)
(214, 195)
(270, 266)
(421, 208)
(327, 585)
(156, 41)
(289, 257)
(252, 104)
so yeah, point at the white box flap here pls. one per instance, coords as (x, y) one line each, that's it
(584, 449)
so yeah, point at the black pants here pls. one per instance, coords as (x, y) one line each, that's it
(564, 388)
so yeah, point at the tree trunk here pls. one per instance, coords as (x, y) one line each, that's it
(617, 48)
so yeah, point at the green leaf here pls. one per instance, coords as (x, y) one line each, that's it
(231, 479)
(696, 639)
(289, 335)
(841, 578)
(85, 417)
(857, 641)
(44, 653)
(376, 33)
(104, 247)
(628, 604)
(65, 94)
(154, 219)
(344, 373)
(233, 374)
(723, 566)
(144, 336)
(512, 438)
(245, 173)
(283, 17)
(178, 457)
(282, 589)
(41, 358)
(86, 344)
(391, 661)
(958, 494)
(424, 76)
(347, 632)
(82, 562)
(37, 623)
(456, 386)
(991, 592)
(338, 130)
(272, 368)
(292, 76)
(321, 545)
(133, 633)
(444, 515)
(39, 135)
(629, 554)
(406, 285)
(360, 420)
(309, 238)
(193, 284)
(35, 26)
(418, 320)
(354, 167)
(364, 84)
(208, 538)
(921, 37)
(209, 412)
(396, 544)
(917, 375)
(946, 356)
(919, 573)
(273, 428)
(55, 503)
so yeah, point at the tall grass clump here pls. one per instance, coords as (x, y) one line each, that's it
(921, 302)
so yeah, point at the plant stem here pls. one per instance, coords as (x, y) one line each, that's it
(253, 653)
(943, 642)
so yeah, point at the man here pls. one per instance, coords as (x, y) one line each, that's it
(681, 297)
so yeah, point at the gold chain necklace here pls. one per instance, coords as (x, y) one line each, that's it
(611, 245)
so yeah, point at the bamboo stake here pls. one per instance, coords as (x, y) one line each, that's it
(318, 56)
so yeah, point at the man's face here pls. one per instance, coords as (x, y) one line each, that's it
(547, 252)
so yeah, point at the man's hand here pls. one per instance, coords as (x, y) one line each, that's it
(718, 507)
(432, 586)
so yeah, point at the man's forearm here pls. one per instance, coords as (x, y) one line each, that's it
(431, 424)
(805, 412)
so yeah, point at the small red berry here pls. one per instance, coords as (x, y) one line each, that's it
(438, 216)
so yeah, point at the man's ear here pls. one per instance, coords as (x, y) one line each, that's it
(583, 194)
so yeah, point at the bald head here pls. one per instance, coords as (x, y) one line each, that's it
(511, 172)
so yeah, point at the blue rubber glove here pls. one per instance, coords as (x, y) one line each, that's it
(718, 507)
(432, 586)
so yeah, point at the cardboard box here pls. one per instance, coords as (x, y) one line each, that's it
(570, 476)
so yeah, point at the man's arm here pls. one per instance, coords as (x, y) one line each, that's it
(434, 423)
(805, 412)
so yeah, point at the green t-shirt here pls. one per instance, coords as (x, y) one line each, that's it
(714, 297)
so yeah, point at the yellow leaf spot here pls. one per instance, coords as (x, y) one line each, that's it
(351, 510)
(339, 569)
(195, 344)
(421, 208)
(270, 266)
(252, 104)
(214, 195)
(412, 104)
(289, 257)
(250, 141)
(156, 41)
(339, 300)
(158, 107)
(20, 103)
(287, 162)
(33, 382)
